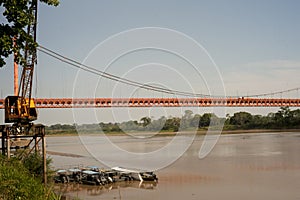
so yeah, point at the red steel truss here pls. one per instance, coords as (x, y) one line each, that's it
(161, 102)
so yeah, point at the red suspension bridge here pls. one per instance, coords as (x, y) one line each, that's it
(162, 102)
(190, 100)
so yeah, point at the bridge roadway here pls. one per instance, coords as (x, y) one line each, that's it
(161, 102)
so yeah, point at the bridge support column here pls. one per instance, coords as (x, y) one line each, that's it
(30, 142)
(3, 139)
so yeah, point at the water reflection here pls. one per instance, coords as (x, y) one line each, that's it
(73, 190)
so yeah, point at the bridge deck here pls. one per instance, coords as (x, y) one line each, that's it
(161, 102)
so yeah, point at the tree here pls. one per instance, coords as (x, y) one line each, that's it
(283, 117)
(205, 120)
(19, 15)
(186, 119)
(241, 118)
(195, 121)
(188, 114)
(295, 121)
(146, 121)
(172, 124)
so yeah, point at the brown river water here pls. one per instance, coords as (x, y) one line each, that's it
(240, 166)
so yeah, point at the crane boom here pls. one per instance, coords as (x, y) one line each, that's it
(21, 109)
(30, 57)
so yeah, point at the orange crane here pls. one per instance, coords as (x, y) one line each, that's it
(20, 109)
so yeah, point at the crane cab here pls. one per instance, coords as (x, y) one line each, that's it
(19, 110)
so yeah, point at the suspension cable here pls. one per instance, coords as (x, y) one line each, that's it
(93, 70)
(112, 77)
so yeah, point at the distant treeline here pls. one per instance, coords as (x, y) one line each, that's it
(283, 119)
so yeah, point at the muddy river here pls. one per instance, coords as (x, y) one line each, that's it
(240, 166)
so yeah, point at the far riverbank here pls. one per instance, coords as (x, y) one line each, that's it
(166, 133)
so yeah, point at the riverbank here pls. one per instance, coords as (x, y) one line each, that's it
(168, 133)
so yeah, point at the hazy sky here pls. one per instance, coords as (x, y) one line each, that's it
(255, 47)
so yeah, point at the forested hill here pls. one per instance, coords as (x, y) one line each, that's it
(284, 118)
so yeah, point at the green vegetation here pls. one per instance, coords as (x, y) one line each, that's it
(60, 129)
(34, 164)
(283, 119)
(20, 180)
(18, 15)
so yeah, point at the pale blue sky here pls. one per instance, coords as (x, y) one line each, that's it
(255, 44)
